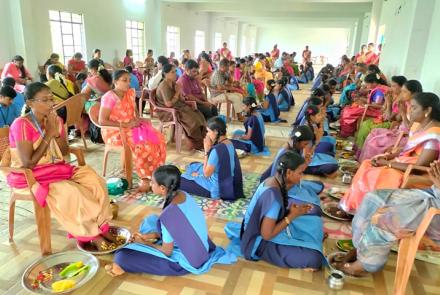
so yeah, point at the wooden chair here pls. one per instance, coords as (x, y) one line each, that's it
(75, 106)
(42, 215)
(176, 128)
(4, 140)
(126, 154)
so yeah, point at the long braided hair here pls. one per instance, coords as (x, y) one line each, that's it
(169, 177)
(288, 161)
(311, 110)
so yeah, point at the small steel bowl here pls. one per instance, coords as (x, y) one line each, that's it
(115, 231)
(56, 263)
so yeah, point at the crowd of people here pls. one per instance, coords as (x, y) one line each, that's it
(282, 224)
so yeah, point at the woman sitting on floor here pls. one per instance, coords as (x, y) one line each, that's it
(283, 95)
(174, 243)
(376, 98)
(317, 98)
(118, 108)
(278, 229)
(219, 176)
(381, 140)
(386, 216)
(269, 107)
(169, 95)
(251, 140)
(386, 171)
(301, 138)
(324, 147)
(77, 197)
(390, 110)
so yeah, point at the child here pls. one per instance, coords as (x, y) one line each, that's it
(174, 243)
(269, 108)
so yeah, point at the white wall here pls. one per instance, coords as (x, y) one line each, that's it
(430, 71)
(226, 27)
(330, 42)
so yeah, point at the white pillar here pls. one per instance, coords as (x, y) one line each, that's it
(375, 20)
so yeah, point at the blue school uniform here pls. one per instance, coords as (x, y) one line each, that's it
(256, 143)
(272, 113)
(8, 115)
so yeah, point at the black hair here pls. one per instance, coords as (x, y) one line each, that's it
(318, 92)
(166, 69)
(119, 73)
(54, 55)
(22, 68)
(374, 69)
(271, 83)
(332, 82)
(176, 62)
(18, 58)
(249, 101)
(300, 133)
(128, 51)
(78, 55)
(8, 91)
(429, 99)
(162, 60)
(54, 69)
(150, 51)
(289, 160)
(128, 69)
(96, 50)
(191, 64)
(224, 63)
(217, 124)
(413, 86)
(169, 177)
(314, 100)
(8, 81)
(282, 82)
(81, 76)
(400, 80)
(372, 78)
(311, 110)
(105, 75)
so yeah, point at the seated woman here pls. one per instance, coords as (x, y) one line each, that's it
(76, 196)
(317, 98)
(206, 69)
(174, 243)
(390, 110)
(381, 140)
(251, 140)
(54, 59)
(301, 138)
(323, 147)
(98, 83)
(60, 87)
(269, 108)
(219, 176)
(169, 95)
(8, 111)
(260, 70)
(75, 66)
(15, 69)
(118, 108)
(386, 171)
(276, 228)
(351, 114)
(385, 217)
(282, 95)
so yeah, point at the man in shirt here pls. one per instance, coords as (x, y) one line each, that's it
(8, 111)
(192, 91)
(222, 91)
(155, 80)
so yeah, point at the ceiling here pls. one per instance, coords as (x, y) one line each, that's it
(262, 13)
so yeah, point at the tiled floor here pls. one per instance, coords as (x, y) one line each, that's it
(242, 278)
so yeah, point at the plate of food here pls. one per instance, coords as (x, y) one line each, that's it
(336, 192)
(121, 238)
(345, 245)
(60, 273)
(333, 211)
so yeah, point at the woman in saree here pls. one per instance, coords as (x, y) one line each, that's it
(16, 70)
(174, 243)
(385, 217)
(381, 140)
(169, 95)
(386, 171)
(219, 176)
(389, 111)
(279, 229)
(98, 83)
(323, 147)
(251, 140)
(75, 66)
(76, 196)
(376, 98)
(60, 87)
(118, 108)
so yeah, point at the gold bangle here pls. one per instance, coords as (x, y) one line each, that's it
(287, 220)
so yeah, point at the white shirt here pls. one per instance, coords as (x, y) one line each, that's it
(154, 82)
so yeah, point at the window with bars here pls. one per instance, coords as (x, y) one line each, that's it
(199, 42)
(67, 31)
(217, 41)
(135, 39)
(173, 40)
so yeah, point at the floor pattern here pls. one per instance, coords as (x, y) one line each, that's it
(244, 277)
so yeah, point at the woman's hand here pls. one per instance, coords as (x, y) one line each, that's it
(143, 238)
(207, 144)
(379, 162)
(132, 124)
(52, 125)
(298, 210)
